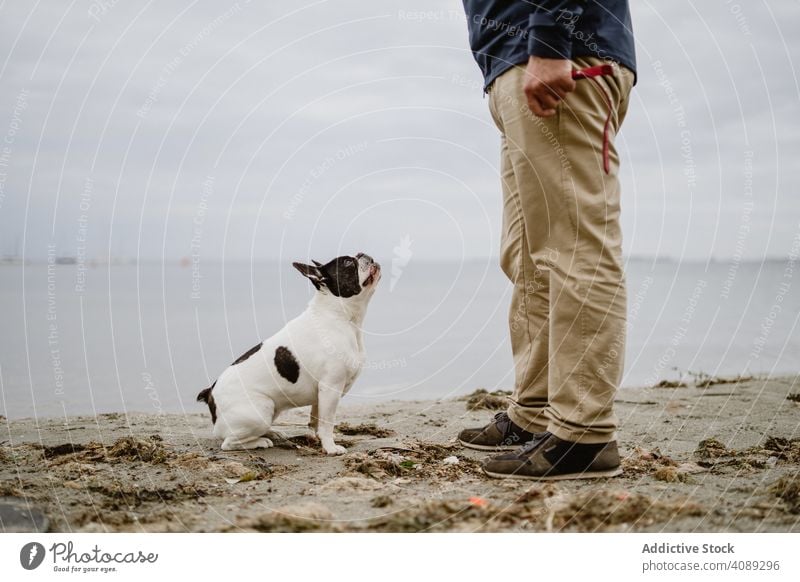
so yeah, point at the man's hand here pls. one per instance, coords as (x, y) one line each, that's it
(547, 81)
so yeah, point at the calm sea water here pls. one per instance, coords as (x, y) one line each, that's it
(149, 337)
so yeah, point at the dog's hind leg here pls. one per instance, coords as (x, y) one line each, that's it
(236, 444)
(249, 432)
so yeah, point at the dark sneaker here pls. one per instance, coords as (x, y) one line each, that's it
(499, 435)
(553, 459)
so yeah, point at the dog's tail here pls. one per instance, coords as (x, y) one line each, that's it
(208, 398)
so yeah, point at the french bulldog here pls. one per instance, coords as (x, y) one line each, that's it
(313, 360)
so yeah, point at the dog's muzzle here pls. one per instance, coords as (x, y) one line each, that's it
(374, 268)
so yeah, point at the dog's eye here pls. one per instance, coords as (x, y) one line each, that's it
(348, 263)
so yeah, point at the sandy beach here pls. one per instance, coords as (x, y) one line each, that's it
(718, 455)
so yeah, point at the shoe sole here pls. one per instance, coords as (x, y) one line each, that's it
(565, 477)
(488, 447)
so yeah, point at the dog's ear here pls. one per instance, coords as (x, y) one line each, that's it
(312, 272)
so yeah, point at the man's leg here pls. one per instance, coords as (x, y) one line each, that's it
(527, 322)
(571, 210)
(528, 315)
(587, 292)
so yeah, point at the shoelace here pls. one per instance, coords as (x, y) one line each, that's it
(503, 422)
(502, 416)
(590, 73)
(538, 438)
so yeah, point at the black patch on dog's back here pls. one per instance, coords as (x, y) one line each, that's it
(286, 364)
(208, 398)
(246, 355)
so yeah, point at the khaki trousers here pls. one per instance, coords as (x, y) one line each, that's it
(562, 249)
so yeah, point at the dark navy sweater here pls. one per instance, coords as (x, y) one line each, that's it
(504, 33)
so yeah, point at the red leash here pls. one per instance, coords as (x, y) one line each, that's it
(595, 71)
(591, 73)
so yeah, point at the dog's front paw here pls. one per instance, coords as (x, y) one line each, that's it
(335, 449)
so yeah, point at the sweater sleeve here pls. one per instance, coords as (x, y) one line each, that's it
(550, 26)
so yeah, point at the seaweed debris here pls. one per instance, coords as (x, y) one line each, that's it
(787, 488)
(413, 459)
(712, 449)
(364, 429)
(671, 384)
(773, 450)
(148, 450)
(483, 399)
(704, 381)
(598, 510)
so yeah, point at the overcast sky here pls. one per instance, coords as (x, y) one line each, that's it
(282, 129)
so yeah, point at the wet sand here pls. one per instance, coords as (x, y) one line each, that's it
(716, 456)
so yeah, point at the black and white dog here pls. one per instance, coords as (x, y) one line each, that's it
(313, 360)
